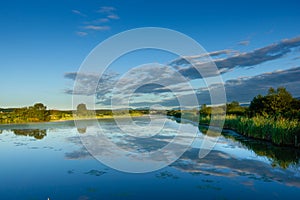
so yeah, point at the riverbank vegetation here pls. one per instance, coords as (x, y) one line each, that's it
(279, 156)
(36, 113)
(39, 113)
(273, 117)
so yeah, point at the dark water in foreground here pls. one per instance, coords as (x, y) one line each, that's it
(47, 160)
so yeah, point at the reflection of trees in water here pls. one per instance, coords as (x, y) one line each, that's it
(280, 156)
(209, 132)
(36, 133)
(81, 130)
(82, 126)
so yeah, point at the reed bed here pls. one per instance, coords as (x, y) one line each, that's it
(279, 131)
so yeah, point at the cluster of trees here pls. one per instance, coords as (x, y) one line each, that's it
(39, 113)
(83, 112)
(233, 108)
(36, 133)
(277, 103)
(273, 117)
(61, 114)
(36, 113)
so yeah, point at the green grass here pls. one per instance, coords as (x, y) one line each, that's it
(279, 131)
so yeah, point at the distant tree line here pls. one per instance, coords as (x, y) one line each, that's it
(273, 117)
(277, 103)
(39, 113)
(36, 113)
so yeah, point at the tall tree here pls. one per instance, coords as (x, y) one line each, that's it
(40, 112)
(275, 103)
(82, 110)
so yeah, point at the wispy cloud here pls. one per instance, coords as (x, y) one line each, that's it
(81, 33)
(90, 84)
(157, 82)
(109, 11)
(97, 28)
(248, 59)
(99, 21)
(113, 16)
(77, 12)
(106, 9)
(95, 20)
(244, 42)
(245, 88)
(153, 83)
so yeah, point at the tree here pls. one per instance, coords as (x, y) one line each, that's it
(40, 112)
(275, 103)
(235, 108)
(280, 101)
(39, 106)
(82, 110)
(36, 133)
(257, 105)
(36, 113)
(205, 110)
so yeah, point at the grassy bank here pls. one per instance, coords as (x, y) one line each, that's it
(39, 113)
(279, 131)
(72, 118)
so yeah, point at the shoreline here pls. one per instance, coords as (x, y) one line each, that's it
(74, 119)
(228, 129)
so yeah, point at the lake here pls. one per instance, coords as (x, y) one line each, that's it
(48, 160)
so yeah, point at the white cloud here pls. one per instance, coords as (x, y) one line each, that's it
(97, 28)
(244, 43)
(103, 16)
(106, 9)
(101, 20)
(159, 80)
(81, 33)
(77, 12)
(243, 59)
(113, 16)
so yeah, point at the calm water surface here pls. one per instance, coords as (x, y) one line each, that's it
(48, 160)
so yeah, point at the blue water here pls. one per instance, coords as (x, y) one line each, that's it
(57, 166)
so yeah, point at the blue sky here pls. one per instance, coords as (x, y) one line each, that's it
(44, 41)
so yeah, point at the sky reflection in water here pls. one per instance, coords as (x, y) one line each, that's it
(48, 160)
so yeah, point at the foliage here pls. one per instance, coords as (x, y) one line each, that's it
(36, 113)
(279, 131)
(175, 113)
(274, 117)
(82, 110)
(205, 110)
(36, 133)
(234, 108)
(230, 108)
(279, 156)
(277, 103)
